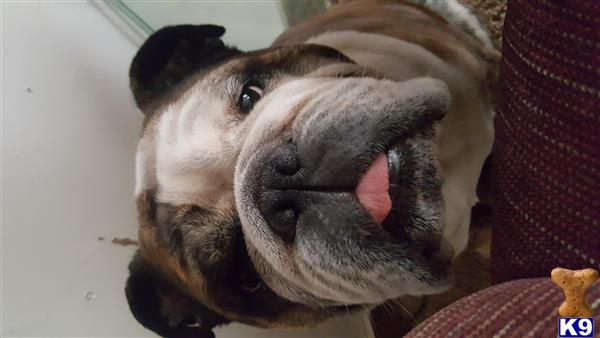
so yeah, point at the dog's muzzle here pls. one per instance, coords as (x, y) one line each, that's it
(385, 189)
(345, 204)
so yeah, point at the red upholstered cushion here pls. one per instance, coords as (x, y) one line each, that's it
(546, 160)
(521, 308)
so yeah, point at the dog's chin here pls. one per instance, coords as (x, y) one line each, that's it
(363, 275)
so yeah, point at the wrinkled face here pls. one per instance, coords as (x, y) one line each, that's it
(311, 184)
(279, 187)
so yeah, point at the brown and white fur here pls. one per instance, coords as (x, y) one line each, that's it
(247, 211)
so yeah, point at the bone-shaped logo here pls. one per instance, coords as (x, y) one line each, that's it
(574, 284)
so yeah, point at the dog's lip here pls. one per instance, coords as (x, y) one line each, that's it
(394, 170)
(396, 179)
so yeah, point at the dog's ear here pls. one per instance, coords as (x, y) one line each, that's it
(171, 54)
(160, 307)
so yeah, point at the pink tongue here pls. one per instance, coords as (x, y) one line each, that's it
(372, 190)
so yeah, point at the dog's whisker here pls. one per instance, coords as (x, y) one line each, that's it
(387, 308)
(398, 303)
(369, 314)
(458, 124)
(364, 71)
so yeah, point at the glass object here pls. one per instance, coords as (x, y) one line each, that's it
(250, 24)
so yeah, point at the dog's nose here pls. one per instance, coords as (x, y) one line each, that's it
(283, 222)
(278, 201)
(280, 210)
(285, 159)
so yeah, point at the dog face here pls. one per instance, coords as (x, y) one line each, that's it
(255, 175)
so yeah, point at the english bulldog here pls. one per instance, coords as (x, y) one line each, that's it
(327, 173)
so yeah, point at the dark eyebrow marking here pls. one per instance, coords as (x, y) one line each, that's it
(176, 238)
(170, 221)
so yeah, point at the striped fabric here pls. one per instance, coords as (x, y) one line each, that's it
(546, 160)
(520, 309)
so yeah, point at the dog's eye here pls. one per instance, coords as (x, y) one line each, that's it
(250, 95)
(249, 282)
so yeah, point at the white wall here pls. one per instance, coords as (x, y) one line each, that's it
(67, 176)
(249, 24)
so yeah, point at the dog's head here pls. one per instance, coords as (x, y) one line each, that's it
(279, 187)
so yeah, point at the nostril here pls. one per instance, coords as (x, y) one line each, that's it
(285, 159)
(283, 223)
